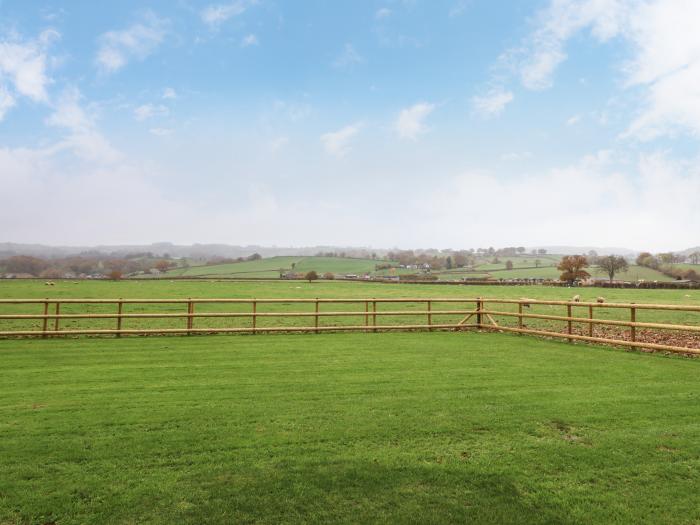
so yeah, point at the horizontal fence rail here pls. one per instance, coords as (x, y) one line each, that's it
(666, 327)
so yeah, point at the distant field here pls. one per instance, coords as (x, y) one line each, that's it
(271, 267)
(523, 268)
(526, 261)
(688, 266)
(634, 273)
(346, 428)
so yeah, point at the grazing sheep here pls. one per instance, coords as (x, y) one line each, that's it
(577, 298)
(600, 300)
(527, 304)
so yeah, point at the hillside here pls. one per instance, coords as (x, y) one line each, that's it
(272, 267)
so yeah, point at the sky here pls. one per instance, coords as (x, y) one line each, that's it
(377, 123)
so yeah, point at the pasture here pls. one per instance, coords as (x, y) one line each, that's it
(523, 268)
(353, 427)
(272, 267)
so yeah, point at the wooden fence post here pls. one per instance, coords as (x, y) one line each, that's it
(430, 316)
(58, 311)
(520, 315)
(190, 311)
(479, 305)
(590, 325)
(374, 314)
(46, 319)
(633, 329)
(119, 316)
(255, 317)
(316, 316)
(569, 324)
(366, 313)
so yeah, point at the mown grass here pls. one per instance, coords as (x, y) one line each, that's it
(349, 428)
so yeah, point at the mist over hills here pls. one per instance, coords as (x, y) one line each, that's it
(9, 249)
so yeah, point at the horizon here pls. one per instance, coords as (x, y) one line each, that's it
(456, 123)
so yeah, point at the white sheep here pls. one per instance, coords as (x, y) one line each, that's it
(600, 299)
(577, 298)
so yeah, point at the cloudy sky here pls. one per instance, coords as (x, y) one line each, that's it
(408, 123)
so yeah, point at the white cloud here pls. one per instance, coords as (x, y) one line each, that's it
(348, 57)
(493, 103)
(138, 41)
(216, 14)
(69, 114)
(517, 156)
(409, 124)
(573, 120)
(169, 94)
(23, 69)
(667, 65)
(337, 143)
(7, 101)
(383, 12)
(249, 40)
(643, 199)
(277, 143)
(147, 111)
(459, 8)
(545, 49)
(161, 132)
(664, 46)
(83, 138)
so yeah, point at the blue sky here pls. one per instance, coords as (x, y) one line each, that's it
(409, 123)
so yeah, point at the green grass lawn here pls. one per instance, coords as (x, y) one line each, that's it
(351, 428)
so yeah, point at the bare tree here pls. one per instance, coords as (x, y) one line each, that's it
(612, 264)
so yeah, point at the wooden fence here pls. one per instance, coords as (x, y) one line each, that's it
(50, 317)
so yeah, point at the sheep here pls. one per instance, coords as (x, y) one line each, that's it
(577, 298)
(526, 304)
(600, 300)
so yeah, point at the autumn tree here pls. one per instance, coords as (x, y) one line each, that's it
(612, 264)
(509, 265)
(329, 276)
(115, 275)
(162, 265)
(572, 268)
(25, 264)
(311, 276)
(648, 260)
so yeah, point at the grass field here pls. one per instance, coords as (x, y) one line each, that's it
(272, 266)
(144, 289)
(352, 428)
